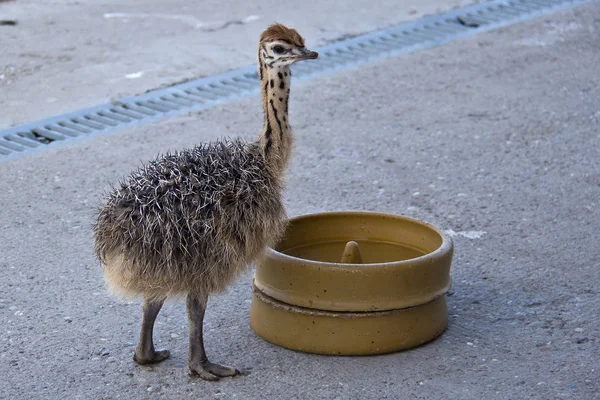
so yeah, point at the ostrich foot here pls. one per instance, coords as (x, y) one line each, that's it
(152, 357)
(212, 372)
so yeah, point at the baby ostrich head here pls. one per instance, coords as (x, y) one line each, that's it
(280, 46)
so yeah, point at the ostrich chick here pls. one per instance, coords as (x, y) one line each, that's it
(189, 222)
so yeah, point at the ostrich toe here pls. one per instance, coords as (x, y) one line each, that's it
(151, 357)
(211, 371)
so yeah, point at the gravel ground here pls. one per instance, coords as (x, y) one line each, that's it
(495, 138)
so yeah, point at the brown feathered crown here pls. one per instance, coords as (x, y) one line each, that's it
(283, 33)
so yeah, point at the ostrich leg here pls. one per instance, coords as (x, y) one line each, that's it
(144, 352)
(198, 362)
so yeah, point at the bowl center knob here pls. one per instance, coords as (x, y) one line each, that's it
(352, 254)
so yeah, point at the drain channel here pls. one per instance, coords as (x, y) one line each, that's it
(209, 92)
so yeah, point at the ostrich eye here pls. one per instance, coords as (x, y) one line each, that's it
(278, 49)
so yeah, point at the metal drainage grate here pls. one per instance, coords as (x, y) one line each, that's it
(208, 92)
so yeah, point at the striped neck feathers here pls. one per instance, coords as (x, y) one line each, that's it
(276, 138)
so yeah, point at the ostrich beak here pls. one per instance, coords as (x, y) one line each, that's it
(307, 54)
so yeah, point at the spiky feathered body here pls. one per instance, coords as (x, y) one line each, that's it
(189, 221)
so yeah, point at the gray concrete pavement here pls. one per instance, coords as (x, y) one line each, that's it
(65, 54)
(495, 137)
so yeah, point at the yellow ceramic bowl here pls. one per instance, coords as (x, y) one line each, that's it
(388, 294)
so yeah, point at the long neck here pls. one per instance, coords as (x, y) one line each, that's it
(276, 137)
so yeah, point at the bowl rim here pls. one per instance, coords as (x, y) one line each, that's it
(446, 246)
